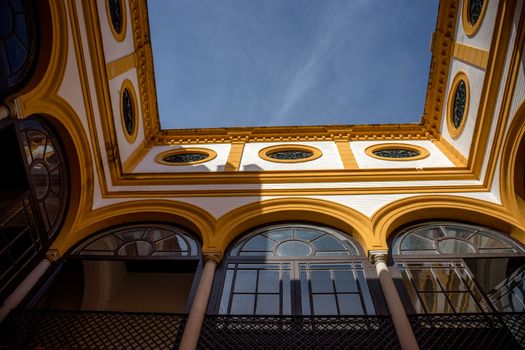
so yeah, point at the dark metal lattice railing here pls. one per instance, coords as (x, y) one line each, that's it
(90, 330)
(470, 331)
(298, 332)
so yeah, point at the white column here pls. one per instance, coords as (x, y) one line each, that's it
(395, 307)
(192, 330)
(20, 292)
(4, 112)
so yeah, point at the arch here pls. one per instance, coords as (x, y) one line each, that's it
(318, 211)
(512, 172)
(418, 208)
(186, 215)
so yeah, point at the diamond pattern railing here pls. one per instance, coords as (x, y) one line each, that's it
(298, 332)
(469, 331)
(90, 330)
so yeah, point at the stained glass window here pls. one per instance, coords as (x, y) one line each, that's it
(475, 9)
(115, 13)
(295, 269)
(290, 154)
(128, 112)
(460, 100)
(187, 157)
(48, 172)
(141, 241)
(396, 153)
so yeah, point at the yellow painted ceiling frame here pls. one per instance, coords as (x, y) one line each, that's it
(468, 27)
(119, 36)
(210, 155)
(423, 152)
(315, 153)
(127, 85)
(454, 132)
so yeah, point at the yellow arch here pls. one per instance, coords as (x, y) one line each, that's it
(239, 220)
(389, 218)
(512, 188)
(186, 215)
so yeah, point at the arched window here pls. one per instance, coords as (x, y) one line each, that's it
(450, 267)
(146, 267)
(45, 159)
(295, 269)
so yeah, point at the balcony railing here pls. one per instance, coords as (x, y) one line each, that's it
(298, 332)
(469, 331)
(90, 330)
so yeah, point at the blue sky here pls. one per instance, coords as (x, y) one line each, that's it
(224, 63)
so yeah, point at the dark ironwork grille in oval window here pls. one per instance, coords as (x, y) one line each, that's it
(460, 100)
(290, 155)
(115, 12)
(396, 153)
(185, 157)
(128, 112)
(475, 7)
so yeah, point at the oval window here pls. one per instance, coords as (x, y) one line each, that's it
(289, 153)
(458, 102)
(185, 156)
(396, 151)
(128, 110)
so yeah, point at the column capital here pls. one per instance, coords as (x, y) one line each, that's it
(377, 256)
(214, 255)
(52, 255)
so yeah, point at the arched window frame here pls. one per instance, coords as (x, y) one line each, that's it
(367, 289)
(438, 265)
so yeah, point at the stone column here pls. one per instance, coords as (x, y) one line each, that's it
(20, 292)
(192, 330)
(397, 312)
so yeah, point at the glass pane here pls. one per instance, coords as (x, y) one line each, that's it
(436, 303)
(51, 157)
(225, 298)
(256, 254)
(450, 280)
(418, 308)
(415, 242)
(321, 282)
(242, 304)
(267, 304)
(339, 253)
(54, 181)
(52, 204)
(40, 180)
(365, 293)
(424, 280)
(136, 248)
(483, 241)
(510, 303)
(130, 235)
(307, 234)
(259, 243)
(324, 304)
(154, 234)
(345, 282)
(455, 246)
(305, 293)
(37, 143)
(458, 231)
(109, 242)
(245, 281)
(279, 234)
(430, 232)
(419, 252)
(287, 296)
(294, 248)
(350, 304)
(327, 242)
(463, 302)
(268, 282)
(174, 243)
